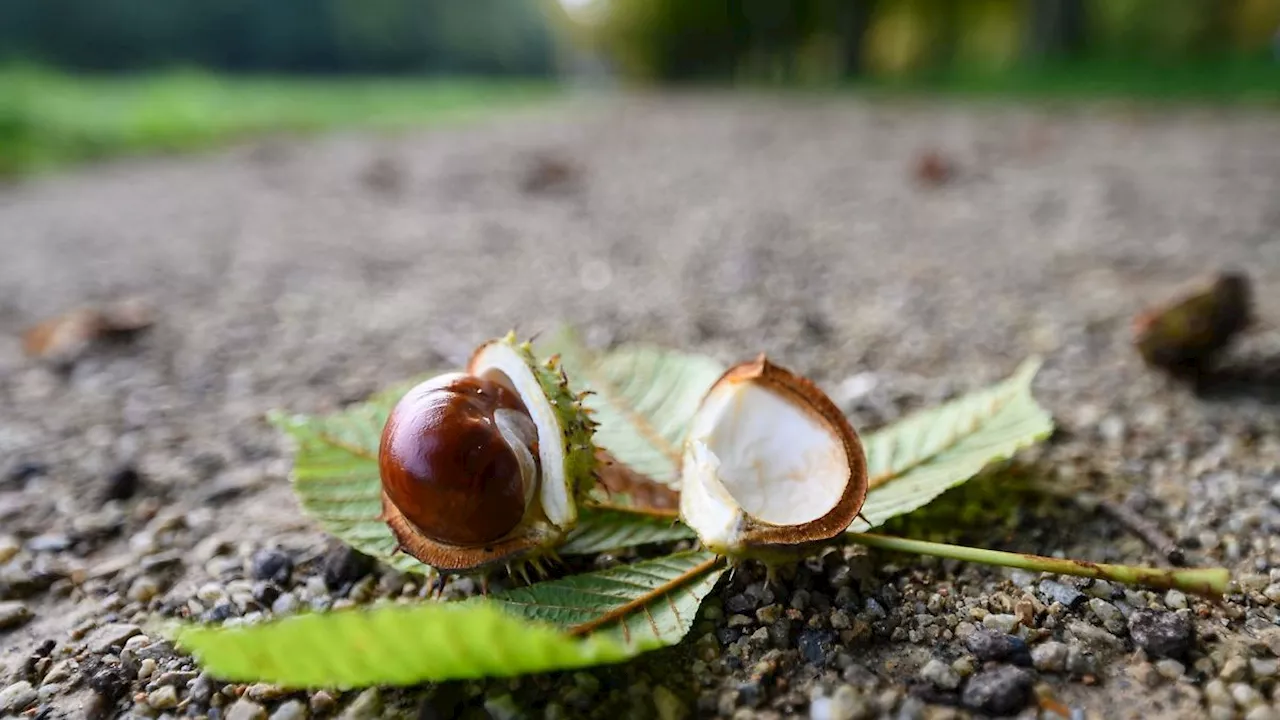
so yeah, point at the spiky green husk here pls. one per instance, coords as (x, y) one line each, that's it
(580, 452)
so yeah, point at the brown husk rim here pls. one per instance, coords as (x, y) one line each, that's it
(806, 394)
(457, 558)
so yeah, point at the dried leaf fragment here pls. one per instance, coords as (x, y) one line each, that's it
(933, 169)
(547, 173)
(68, 336)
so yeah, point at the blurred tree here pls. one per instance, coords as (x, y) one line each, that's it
(502, 36)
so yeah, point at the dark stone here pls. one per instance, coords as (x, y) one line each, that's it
(989, 645)
(448, 701)
(933, 694)
(1003, 690)
(201, 690)
(1057, 592)
(728, 636)
(814, 645)
(265, 593)
(29, 665)
(273, 564)
(742, 604)
(875, 609)
(344, 565)
(122, 484)
(750, 693)
(24, 471)
(109, 681)
(1161, 634)
(219, 612)
(816, 327)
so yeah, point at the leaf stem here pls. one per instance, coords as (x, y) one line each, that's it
(666, 587)
(1211, 582)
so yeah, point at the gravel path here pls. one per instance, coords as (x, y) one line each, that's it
(306, 274)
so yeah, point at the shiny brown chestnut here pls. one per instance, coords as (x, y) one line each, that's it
(484, 469)
(458, 459)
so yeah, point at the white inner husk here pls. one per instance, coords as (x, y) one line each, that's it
(501, 363)
(756, 449)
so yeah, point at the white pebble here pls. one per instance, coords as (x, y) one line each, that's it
(1245, 696)
(1261, 712)
(1171, 669)
(1002, 622)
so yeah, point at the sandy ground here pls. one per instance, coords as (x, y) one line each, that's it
(306, 274)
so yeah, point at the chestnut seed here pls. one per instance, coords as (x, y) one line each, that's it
(456, 459)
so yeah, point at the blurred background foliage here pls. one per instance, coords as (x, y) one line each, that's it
(82, 79)
(508, 37)
(809, 42)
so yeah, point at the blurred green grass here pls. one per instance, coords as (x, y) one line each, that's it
(1230, 81)
(50, 120)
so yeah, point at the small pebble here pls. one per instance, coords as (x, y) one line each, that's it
(49, 691)
(1002, 690)
(1057, 592)
(742, 603)
(1215, 691)
(1170, 669)
(264, 693)
(940, 674)
(844, 704)
(17, 697)
(143, 589)
(146, 669)
(1050, 656)
(1244, 695)
(1025, 611)
(1234, 669)
(1080, 662)
(1096, 639)
(201, 689)
(246, 710)
(366, 706)
(1261, 712)
(1109, 614)
(110, 636)
(13, 613)
(1175, 600)
(1100, 589)
(344, 565)
(769, 614)
(60, 671)
(272, 564)
(122, 485)
(292, 710)
(1001, 622)
(286, 604)
(1264, 668)
(9, 547)
(163, 697)
(48, 543)
(990, 646)
(321, 702)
